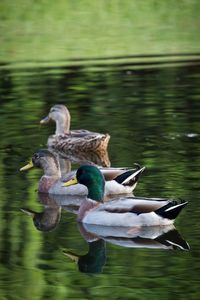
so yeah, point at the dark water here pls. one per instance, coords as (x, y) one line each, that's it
(152, 114)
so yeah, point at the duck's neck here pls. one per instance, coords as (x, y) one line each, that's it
(46, 182)
(96, 193)
(86, 205)
(63, 125)
(52, 169)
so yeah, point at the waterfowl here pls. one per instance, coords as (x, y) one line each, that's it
(118, 180)
(67, 140)
(125, 212)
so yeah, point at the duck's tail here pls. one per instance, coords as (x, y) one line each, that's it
(130, 177)
(171, 210)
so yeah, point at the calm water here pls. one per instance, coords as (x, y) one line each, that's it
(152, 114)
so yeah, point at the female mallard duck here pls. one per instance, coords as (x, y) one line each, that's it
(118, 180)
(123, 212)
(76, 140)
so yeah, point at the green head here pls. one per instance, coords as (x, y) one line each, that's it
(91, 177)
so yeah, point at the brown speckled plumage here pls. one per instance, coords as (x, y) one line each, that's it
(75, 140)
(89, 143)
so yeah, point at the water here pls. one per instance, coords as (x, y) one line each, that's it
(151, 110)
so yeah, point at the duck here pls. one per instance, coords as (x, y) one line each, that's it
(71, 141)
(125, 212)
(118, 180)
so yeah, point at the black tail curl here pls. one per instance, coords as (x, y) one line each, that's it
(171, 210)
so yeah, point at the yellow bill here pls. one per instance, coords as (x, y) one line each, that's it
(28, 166)
(71, 182)
(72, 256)
(45, 120)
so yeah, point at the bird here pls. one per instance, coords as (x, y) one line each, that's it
(118, 180)
(71, 141)
(125, 212)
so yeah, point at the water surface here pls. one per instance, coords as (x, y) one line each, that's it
(151, 110)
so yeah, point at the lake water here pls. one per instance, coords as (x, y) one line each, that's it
(151, 108)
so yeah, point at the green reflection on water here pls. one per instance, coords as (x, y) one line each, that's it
(153, 118)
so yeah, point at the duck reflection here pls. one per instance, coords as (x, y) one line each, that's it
(94, 260)
(81, 157)
(49, 218)
(158, 237)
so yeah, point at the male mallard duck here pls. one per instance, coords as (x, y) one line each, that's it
(76, 140)
(125, 212)
(118, 180)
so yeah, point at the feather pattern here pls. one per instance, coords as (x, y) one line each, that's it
(131, 212)
(67, 141)
(125, 212)
(52, 181)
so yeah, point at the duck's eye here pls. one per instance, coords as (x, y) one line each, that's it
(79, 173)
(36, 156)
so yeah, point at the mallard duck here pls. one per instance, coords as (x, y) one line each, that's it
(127, 212)
(118, 180)
(75, 140)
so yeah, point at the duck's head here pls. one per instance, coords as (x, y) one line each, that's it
(59, 114)
(91, 177)
(45, 160)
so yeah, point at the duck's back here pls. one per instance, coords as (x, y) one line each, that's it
(127, 212)
(80, 140)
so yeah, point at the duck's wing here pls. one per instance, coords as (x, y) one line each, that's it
(166, 209)
(123, 176)
(85, 133)
(83, 142)
(134, 205)
(111, 173)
